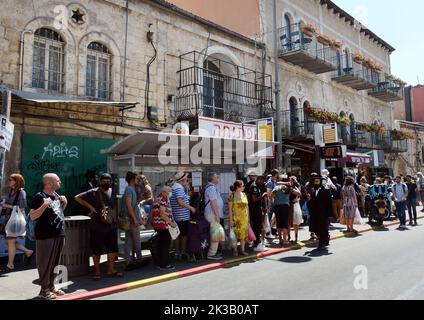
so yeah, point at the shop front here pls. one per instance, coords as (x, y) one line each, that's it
(159, 155)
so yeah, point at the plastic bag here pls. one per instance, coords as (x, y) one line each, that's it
(266, 225)
(250, 236)
(16, 226)
(232, 239)
(358, 219)
(30, 228)
(217, 233)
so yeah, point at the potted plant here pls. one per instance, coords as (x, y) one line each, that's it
(308, 30)
(336, 45)
(359, 58)
(343, 121)
(323, 39)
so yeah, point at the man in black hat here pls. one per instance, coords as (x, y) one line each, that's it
(320, 208)
(103, 232)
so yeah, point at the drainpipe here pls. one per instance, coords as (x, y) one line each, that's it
(21, 58)
(124, 80)
(279, 162)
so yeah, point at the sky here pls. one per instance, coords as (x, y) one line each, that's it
(398, 23)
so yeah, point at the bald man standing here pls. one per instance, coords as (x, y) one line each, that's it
(47, 209)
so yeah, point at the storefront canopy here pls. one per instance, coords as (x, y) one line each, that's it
(148, 144)
(46, 98)
(360, 158)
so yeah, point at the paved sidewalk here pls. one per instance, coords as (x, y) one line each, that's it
(21, 284)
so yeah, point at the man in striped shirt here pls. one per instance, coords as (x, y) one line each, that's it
(180, 204)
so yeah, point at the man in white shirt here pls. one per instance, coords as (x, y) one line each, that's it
(326, 180)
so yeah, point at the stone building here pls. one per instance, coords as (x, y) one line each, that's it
(83, 74)
(329, 61)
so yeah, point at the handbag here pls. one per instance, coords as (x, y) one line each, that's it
(174, 231)
(106, 215)
(5, 214)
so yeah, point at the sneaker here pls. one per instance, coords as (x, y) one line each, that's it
(167, 268)
(411, 223)
(215, 257)
(259, 248)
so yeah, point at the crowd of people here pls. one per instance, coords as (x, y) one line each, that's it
(261, 209)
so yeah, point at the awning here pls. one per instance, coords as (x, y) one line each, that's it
(304, 147)
(179, 147)
(46, 98)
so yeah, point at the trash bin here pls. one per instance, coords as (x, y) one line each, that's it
(76, 253)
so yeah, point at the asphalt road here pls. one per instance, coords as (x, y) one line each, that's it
(390, 265)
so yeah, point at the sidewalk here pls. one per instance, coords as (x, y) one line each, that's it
(21, 284)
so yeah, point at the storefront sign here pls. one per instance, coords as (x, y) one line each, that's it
(333, 152)
(227, 130)
(6, 133)
(330, 133)
(266, 133)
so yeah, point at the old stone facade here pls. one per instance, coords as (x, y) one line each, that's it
(119, 40)
(320, 90)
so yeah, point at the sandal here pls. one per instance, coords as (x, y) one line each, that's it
(116, 274)
(57, 292)
(47, 295)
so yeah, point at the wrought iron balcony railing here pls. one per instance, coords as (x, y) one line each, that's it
(387, 90)
(215, 88)
(296, 125)
(354, 74)
(305, 50)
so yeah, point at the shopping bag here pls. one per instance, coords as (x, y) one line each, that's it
(16, 226)
(217, 232)
(266, 225)
(251, 235)
(30, 228)
(174, 232)
(358, 219)
(232, 239)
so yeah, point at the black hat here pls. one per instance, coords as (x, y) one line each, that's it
(315, 176)
(105, 176)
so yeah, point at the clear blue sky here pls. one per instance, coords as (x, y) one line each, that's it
(399, 24)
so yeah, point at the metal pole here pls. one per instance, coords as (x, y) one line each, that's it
(279, 159)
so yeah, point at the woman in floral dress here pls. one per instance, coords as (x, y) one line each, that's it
(238, 208)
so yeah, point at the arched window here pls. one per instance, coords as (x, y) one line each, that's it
(348, 58)
(294, 117)
(213, 91)
(97, 81)
(287, 32)
(48, 71)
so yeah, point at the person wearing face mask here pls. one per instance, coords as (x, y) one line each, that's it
(103, 236)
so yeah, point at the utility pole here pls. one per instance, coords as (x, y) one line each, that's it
(279, 159)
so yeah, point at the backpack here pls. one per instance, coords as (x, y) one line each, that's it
(404, 187)
(202, 203)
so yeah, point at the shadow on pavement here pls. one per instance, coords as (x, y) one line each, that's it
(296, 259)
(318, 253)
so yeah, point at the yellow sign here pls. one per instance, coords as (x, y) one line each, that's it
(330, 133)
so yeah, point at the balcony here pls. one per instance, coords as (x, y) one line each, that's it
(353, 74)
(297, 126)
(216, 88)
(305, 51)
(387, 90)
(399, 146)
